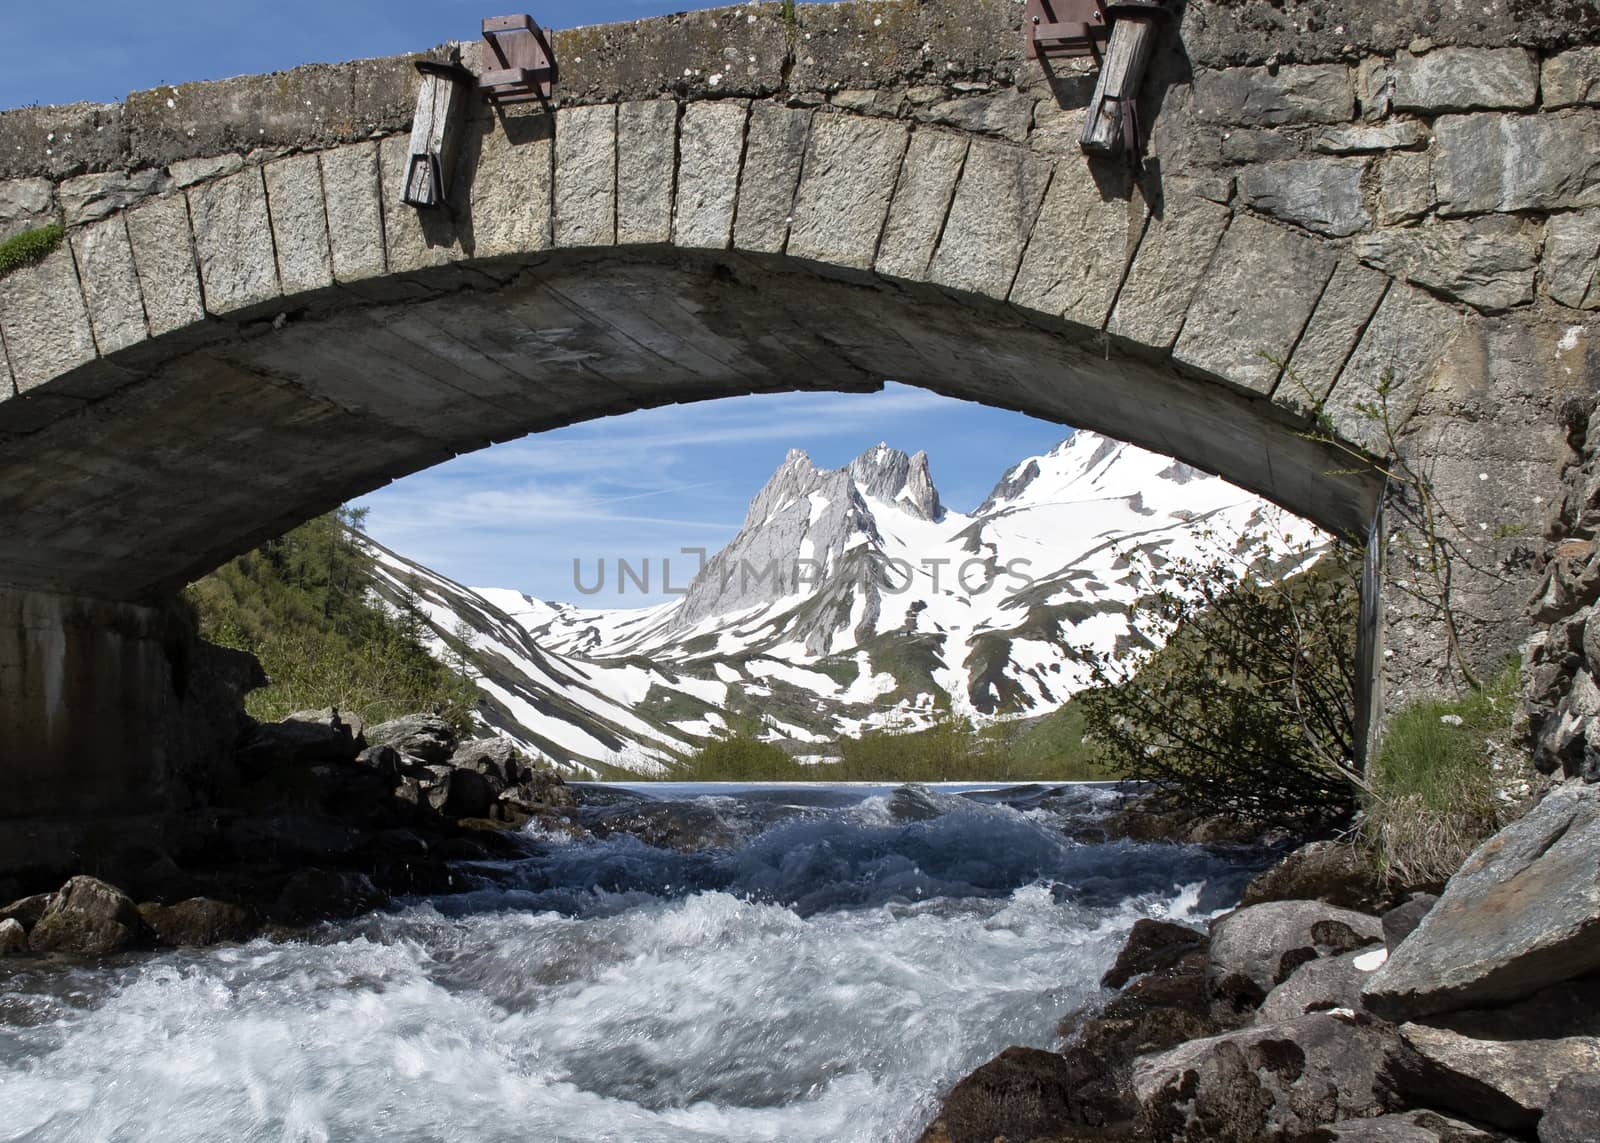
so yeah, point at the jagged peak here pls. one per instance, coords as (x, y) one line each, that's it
(889, 475)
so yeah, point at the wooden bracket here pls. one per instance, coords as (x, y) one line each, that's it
(436, 134)
(519, 65)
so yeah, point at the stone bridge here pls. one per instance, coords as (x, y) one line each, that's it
(1361, 232)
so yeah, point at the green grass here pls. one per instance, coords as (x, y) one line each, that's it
(1433, 783)
(29, 248)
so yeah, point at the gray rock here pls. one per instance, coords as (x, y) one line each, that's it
(1007, 113)
(1465, 79)
(1151, 947)
(1320, 985)
(13, 938)
(710, 141)
(1365, 138)
(469, 794)
(200, 922)
(164, 255)
(1502, 1066)
(995, 206)
(1401, 921)
(91, 197)
(233, 242)
(299, 223)
(774, 147)
(1572, 263)
(850, 169)
(1486, 163)
(355, 211)
(44, 320)
(1523, 913)
(110, 284)
(297, 742)
(318, 894)
(1253, 950)
(1571, 77)
(1329, 871)
(187, 172)
(647, 144)
(1323, 195)
(27, 911)
(1410, 1127)
(1278, 1081)
(423, 736)
(1405, 188)
(1489, 263)
(511, 205)
(1262, 97)
(586, 176)
(87, 917)
(1245, 145)
(1573, 1113)
(921, 200)
(1263, 284)
(25, 204)
(1346, 306)
(1173, 258)
(290, 839)
(495, 758)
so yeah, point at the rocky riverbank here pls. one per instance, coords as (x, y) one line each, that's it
(315, 817)
(1469, 1017)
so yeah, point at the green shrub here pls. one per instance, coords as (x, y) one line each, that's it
(742, 758)
(1432, 797)
(29, 248)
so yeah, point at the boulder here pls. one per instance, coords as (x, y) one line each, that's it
(292, 839)
(87, 917)
(27, 911)
(13, 938)
(1502, 1066)
(199, 922)
(1409, 1127)
(1254, 950)
(495, 758)
(1279, 1081)
(1320, 985)
(423, 736)
(469, 794)
(303, 739)
(1401, 921)
(1573, 1113)
(1521, 914)
(1151, 946)
(1022, 1094)
(1328, 871)
(320, 894)
(684, 826)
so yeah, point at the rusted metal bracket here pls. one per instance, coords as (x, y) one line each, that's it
(436, 133)
(1064, 29)
(519, 65)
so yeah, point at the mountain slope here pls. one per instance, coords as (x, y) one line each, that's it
(851, 599)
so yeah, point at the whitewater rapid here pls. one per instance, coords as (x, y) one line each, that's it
(825, 974)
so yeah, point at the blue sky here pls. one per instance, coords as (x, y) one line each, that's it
(517, 515)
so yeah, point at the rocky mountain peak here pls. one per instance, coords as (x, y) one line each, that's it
(889, 475)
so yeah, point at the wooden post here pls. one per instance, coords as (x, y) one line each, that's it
(1111, 125)
(436, 134)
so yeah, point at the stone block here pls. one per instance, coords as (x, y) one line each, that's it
(1400, 356)
(928, 178)
(586, 176)
(1487, 163)
(1370, 138)
(8, 387)
(850, 170)
(1086, 234)
(1572, 260)
(163, 254)
(187, 172)
(355, 211)
(92, 197)
(647, 150)
(1262, 97)
(233, 242)
(1258, 296)
(1173, 257)
(1465, 79)
(413, 239)
(1572, 78)
(57, 142)
(1254, 145)
(110, 284)
(775, 145)
(24, 205)
(1405, 188)
(1323, 195)
(299, 223)
(710, 143)
(1007, 113)
(44, 320)
(1343, 311)
(1486, 262)
(996, 203)
(506, 181)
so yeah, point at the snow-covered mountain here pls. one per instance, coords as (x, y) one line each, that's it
(851, 599)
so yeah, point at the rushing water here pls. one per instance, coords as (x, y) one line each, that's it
(823, 974)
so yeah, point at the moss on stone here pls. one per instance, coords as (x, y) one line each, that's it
(29, 248)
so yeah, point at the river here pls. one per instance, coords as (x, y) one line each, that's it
(824, 971)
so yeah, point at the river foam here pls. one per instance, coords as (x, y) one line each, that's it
(822, 978)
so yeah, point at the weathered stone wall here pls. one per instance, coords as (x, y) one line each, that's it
(1340, 200)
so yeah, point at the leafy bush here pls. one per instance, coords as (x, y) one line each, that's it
(302, 605)
(743, 758)
(1243, 701)
(1432, 795)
